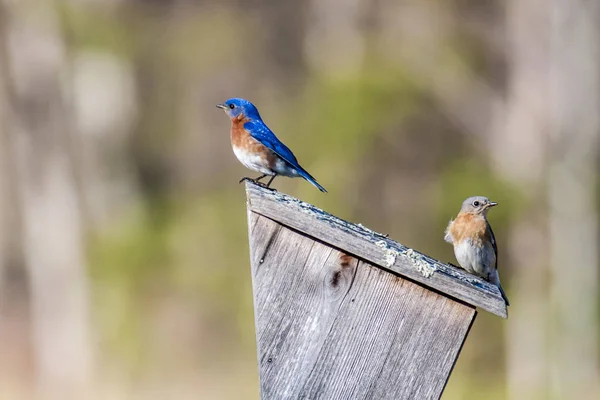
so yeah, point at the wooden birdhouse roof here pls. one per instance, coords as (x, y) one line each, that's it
(375, 248)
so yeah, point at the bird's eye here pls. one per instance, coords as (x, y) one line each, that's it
(476, 203)
(232, 106)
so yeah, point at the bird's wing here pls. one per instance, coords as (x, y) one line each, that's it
(493, 241)
(261, 132)
(495, 277)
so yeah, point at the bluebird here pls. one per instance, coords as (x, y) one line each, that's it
(474, 242)
(257, 147)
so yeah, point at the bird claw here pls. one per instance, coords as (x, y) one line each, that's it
(257, 182)
(455, 266)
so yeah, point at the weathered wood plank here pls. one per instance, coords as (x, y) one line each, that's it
(376, 248)
(332, 327)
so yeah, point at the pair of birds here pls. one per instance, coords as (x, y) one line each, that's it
(258, 149)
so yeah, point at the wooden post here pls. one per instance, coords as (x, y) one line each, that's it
(343, 312)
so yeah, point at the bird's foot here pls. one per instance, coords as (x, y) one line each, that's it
(455, 266)
(256, 182)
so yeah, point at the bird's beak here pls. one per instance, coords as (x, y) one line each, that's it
(222, 106)
(492, 204)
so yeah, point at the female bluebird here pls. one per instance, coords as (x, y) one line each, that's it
(257, 147)
(474, 241)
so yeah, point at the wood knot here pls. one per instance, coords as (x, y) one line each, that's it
(342, 269)
(335, 279)
(346, 260)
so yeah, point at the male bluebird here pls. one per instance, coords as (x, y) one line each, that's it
(474, 242)
(257, 147)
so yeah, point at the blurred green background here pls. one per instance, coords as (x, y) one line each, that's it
(124, 269)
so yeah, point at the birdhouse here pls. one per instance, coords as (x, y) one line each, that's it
(343, 312)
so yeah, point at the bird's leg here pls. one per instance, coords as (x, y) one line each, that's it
(258, 182)
(253, 180)
(270, 180)
(259, 178)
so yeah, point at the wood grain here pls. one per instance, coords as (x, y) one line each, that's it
(375, 248)
(330, 326)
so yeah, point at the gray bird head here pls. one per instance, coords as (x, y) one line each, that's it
(477, 205)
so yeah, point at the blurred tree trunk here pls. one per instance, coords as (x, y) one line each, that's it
(553, 99)
(157, 94)
(572, 188)
(517, 150)
(284, 66)
(336, 24)
(15, 340)
(40, 140)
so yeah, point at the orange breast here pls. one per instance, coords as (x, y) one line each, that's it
(468, 226)
(241, 139)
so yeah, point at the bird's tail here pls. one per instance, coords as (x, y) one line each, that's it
(303, 173)
(503, 295)
(495, 279)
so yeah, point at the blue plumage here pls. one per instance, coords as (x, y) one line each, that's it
(261, 132)
(245, 113)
